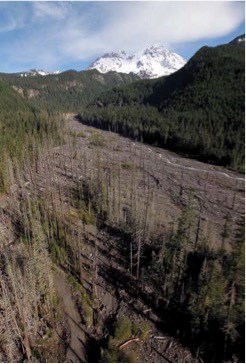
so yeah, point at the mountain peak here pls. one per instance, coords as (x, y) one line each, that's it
(121, 54)
(156, 48)
(240, 40)
(34, 72)
(154, 61)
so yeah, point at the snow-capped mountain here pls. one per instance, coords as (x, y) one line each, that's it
(239, 41)
(34, 72)
(152, 62)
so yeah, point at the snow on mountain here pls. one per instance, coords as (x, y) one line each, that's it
(239, 41)
(34, 72)
(152, 62)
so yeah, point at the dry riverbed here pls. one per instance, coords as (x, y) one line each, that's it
(217, 195)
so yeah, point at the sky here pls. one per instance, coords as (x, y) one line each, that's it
(70, 35)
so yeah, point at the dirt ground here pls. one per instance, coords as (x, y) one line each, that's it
(215, 192)
(76, 351)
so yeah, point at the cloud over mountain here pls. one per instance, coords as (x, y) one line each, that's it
(48, 34)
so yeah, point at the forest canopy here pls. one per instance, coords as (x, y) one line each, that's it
(197, 111)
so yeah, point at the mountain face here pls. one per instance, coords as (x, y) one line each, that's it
(66, 91)
(10, 101)
(35, 72)
(212, 69)
(198, 110)
(240, 41)
(152, 62)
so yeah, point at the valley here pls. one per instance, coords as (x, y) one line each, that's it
(122, 210)
(217, 192)
(91, 187)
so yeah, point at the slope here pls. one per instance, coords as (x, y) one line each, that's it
(198, 110)
(10, 100)
(151, 62)
(22, 129)
(66, 91)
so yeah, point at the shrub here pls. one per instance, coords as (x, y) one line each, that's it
(127, 165)
(123, 330)
(97, 140)
(81, 134)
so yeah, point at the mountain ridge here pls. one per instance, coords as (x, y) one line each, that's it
(66, 91)
(197, 111)
(240, 40)
(36, 72)
(152, 62)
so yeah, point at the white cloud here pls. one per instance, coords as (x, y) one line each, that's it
(8, 25)
(57, 10)
(11, 18)
(134, 25)
(81, 30)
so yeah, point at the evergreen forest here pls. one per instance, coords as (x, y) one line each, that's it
(117, 249)
(197, 111)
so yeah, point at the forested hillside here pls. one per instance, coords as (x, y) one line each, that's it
(112, 250)
(67, 91)
(22, 129)
(198, 111)
(27, 295)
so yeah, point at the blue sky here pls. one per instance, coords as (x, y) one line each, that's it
(70, 35)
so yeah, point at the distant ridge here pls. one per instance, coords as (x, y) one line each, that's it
(240, 40)
(34, 72)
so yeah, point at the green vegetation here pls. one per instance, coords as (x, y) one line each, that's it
(201, 298)
(123, 331)
(30, 294)
(197, 111)
(22, 129)
(80, 135)
(83, 300)
(127, 165)
(196, 290)
(68, 91)
(86, 201)
(97, 140)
